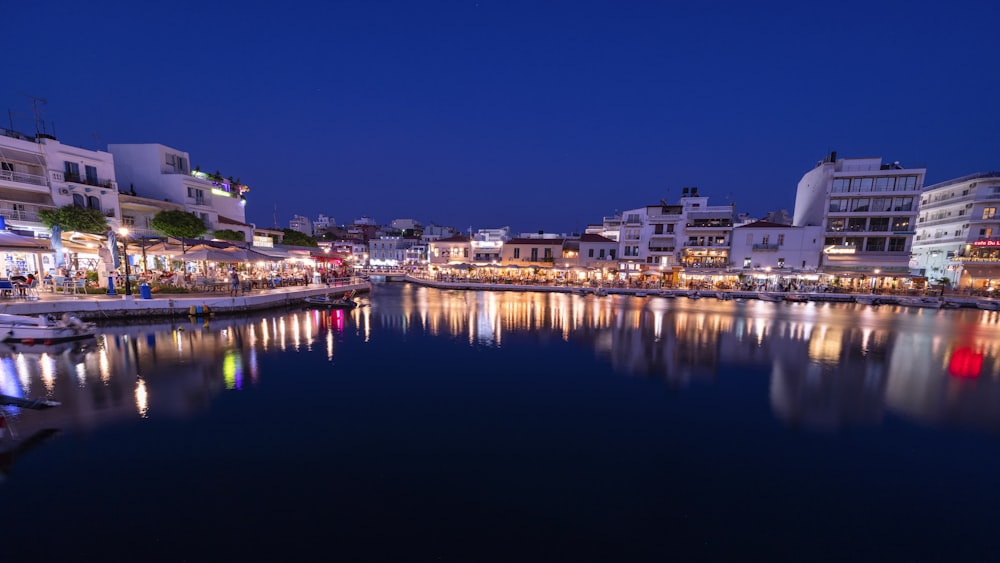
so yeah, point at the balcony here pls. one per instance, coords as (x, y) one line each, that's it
(22, 178)
(762, 246)
(16, 211)
(71, 178)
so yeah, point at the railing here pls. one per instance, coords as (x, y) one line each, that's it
(765, 246)
(21, 211)
(975, 176)
(78, 179)
(22, 178)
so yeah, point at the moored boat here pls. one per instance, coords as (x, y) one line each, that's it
(796, 298)
(925, 302)
(773, 297)
(988, 304)
(45, 329)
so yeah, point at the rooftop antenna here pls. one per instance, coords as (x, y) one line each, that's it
(35, 102)
(275, 215)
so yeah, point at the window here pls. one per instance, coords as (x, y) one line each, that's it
(841, 185)
(765, 239)
(670, 228)
(781, 262)
(91, 173)
(613, 253)
(7, 166)
(781, 240)
(658, 229)
(601, 254)
(94, 202)
(838, 206)
(881, 204)
(856, 242)
(590, 253)
(989, 212)
(987, 232)
(835, 225)
(875, 244)
(79, 201)
(747, 262)
(900, 224)
(884, 184)
(906, 183)
(534, 255)
(517, 253)
(833, 241)
(465, 253)
(548, 254)
(897, 244)
(856, 225)
(878, 224)
(860, 204)
(902, 204)
(128, 221)
(863, 184)
(72, 171)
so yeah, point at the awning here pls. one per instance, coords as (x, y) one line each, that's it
(27, 196)
(9, 242)
(8, 154)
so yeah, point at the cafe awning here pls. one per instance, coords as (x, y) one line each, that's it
(10, 242)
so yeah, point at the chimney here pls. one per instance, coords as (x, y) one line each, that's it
(694, 191)
(684, 192)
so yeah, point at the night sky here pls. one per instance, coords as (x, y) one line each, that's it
(536, 115)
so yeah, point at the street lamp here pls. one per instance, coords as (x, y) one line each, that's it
(128, 286)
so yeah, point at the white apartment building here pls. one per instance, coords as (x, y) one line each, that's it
(390, 251)
(868, 211)
(157, 171)
(323, 223)
(690, 235)
(301, 224)
(958, 230)
(763, 246)
(487, 245)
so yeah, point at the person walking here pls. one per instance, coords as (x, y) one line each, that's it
(234, 284)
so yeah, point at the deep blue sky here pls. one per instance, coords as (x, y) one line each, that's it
(537, 115)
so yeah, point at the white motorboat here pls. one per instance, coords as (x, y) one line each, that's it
(345, 302)
(45, 329)
(926, 302)
(988, 304)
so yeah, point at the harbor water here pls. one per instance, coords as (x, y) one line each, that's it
(449, 425)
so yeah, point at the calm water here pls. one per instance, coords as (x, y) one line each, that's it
(454, 426)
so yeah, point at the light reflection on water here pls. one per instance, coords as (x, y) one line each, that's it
(829, 365)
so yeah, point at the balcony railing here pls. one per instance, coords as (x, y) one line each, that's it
(16, 211)
(72, 178)
(762, 246)
(22, 178)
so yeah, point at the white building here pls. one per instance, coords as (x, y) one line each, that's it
(664, 238)
(763, 246)
(323, 223)
(301, 224)
(957, 224)
(868, 212)
(157, 171)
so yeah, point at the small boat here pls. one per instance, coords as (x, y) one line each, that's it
(45, 329)
(797, 298)
(772, 297)
(345, 302)
(640, 294)
(600, 292)
(988, 304)
(694, 295)
(723, 296)
(926, 302)
(871, 300)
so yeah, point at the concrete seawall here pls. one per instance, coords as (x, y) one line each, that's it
(100, 307)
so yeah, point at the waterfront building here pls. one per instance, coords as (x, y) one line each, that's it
(456, 249)
(536, 252)
(690, 238)
(958, 232)
(301, 224)
(157, 171)
(868, 211)
(391, 252)
(768, 249)
(487, 245)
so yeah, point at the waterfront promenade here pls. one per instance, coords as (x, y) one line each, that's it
(96, 307)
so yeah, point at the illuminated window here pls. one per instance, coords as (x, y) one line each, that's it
(989, 212)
